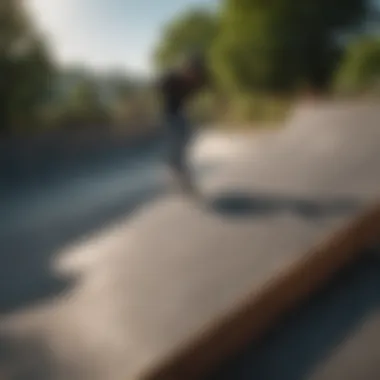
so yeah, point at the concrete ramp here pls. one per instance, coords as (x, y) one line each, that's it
(172, 292)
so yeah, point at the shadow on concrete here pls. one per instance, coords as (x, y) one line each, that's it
(26, 358)
(26, 256)
(310, 334)
(240, 204)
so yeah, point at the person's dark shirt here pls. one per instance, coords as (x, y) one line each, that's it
(176, 91)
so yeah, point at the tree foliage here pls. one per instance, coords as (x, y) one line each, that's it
(83, 108)
(272, 46)
(194, 30)
(360, 69)
(25, 68)
(279, 44)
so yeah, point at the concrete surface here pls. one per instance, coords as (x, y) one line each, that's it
(127, 297)
(335, 335)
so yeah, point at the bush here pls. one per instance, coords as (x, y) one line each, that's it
(240, 109)
(360, 69)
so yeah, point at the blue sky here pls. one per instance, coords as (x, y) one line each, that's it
(107, 33)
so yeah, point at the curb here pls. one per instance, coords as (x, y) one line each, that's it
(260, 313)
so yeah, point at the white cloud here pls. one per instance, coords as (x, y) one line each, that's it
(59, 20)
(51, 15)
(53, 18)
(73, 37)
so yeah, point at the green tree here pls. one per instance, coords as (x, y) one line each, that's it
(84, 107)
(360, 69)
(192, 30)
(279, 44)
(25, 69)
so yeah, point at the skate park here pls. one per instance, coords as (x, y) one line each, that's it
(274, 273)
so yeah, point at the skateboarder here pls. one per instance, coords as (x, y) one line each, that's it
(176, 88)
